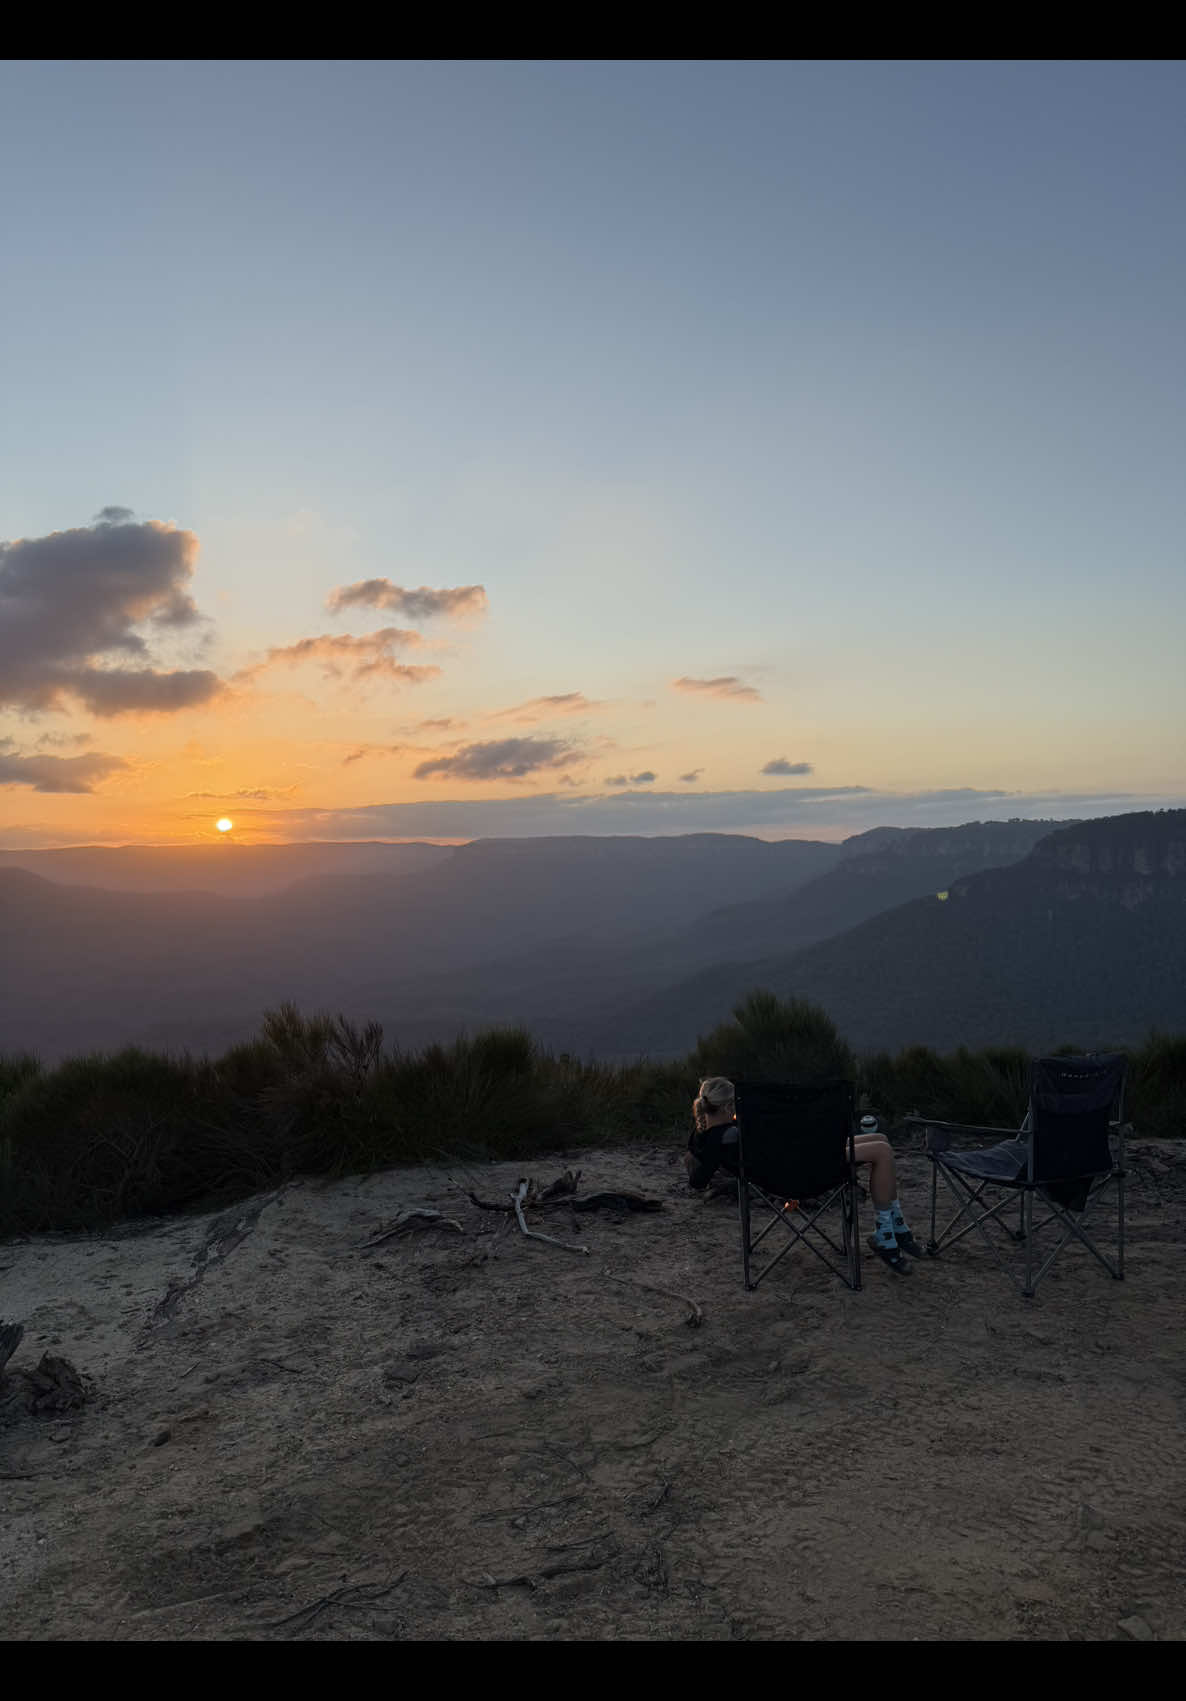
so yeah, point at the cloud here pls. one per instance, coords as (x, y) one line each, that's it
(56, 773)
(143, 691)
(374, 750)
(789, 811)
(643, 779)
(359, 659)
(694, 775)
(63, 740)
(543, 708)
(616, 780)
(502, 759)
(442, 723)
(728, 685)
(258, 794)
(73, 599)
(780, 765)
(419, 604)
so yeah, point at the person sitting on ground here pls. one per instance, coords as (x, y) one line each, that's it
(713, 1146)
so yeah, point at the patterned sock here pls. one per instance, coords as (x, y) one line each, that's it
(898, 1220)
(884, 1233)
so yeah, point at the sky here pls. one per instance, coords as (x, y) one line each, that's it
(452, 449)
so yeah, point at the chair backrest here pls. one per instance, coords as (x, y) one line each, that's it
(1072, 1101)
(793, 1136)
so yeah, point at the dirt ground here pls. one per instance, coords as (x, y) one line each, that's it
(477, 1436)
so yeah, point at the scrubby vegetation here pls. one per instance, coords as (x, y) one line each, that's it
(133, 1133)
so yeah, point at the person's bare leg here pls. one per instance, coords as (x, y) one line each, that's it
(871, 1149)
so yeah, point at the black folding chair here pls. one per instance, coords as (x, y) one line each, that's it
(1062, 1152)
(796, 1159)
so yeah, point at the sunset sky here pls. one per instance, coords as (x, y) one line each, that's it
(400, 450)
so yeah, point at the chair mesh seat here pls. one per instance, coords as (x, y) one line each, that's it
(1004, 1164)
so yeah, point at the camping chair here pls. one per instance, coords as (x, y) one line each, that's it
(1062, 1151)
(796, 1159)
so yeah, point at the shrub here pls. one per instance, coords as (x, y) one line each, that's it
(771, 1039)
(131, 1133)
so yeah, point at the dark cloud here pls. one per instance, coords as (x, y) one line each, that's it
(616, 780)
(644, 779)
(358, 659)
(501, 759)
(419, 604)
(55, 773)
(780, 765)
(694, 775)
(728, 685)
(74, 599)
(143, 691)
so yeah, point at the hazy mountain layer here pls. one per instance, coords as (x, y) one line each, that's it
(1083, 942)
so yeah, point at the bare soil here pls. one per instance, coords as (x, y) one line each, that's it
(472, 1435)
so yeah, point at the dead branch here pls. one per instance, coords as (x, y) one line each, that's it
(421, 1217)
(695, 1315)
(532, 1234)
(560, 1202)
(564, 1186)
(488, 1204)
(614, 1202)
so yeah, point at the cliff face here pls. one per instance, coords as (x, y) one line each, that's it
(1128, 860)
(1083, 942)
(975, 845)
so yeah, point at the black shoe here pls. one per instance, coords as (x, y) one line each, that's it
(890, 1255)
(908, 1244)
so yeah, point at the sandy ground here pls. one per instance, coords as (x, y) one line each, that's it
(478, 1436)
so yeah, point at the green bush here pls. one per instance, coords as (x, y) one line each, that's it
(771, 1039)
(108, 1136)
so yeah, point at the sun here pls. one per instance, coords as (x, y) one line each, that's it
(224, 825)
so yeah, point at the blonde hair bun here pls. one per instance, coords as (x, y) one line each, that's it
(717, 1091)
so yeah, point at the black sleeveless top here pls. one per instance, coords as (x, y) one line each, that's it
(715, 1148)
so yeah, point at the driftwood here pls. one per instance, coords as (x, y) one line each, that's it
(422, 1217)
(561, 1195)
(532, 1234)
(615, 1202)
(695, 1315)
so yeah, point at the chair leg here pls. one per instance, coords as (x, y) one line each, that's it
(855, 1242)
(744, 1217)
(1027, 1214)
(933, 1244)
